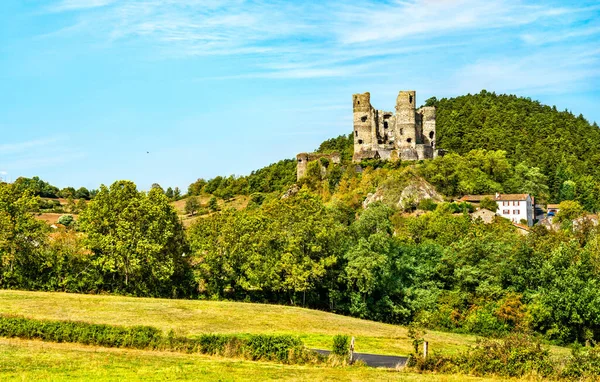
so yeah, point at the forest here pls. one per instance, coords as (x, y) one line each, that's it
(425, 262)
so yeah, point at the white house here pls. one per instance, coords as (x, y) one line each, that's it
(514, 207)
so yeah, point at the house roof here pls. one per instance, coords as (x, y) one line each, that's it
(512, 197)
(502, 197)
(475, 198)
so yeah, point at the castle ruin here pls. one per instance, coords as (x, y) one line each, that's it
(409, 134)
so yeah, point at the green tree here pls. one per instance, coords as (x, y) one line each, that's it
(568, 210)
(176, 193)
(212, 204)
(489, 204)
(21, 237)
(169, 193)
(82, 193)
(191, 205)
(137, 239)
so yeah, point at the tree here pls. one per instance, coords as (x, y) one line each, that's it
(568, 210)
(158, 187)
(191, 205)
(169, 193)
(82, 193)
(489, 204)
(176, 193)
(212, 204)
(66, 220)
(137, 240)
(21, 236)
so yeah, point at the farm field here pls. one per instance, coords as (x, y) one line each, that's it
(193, 317)
(24, 360)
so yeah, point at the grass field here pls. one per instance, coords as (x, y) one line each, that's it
(189, 318)
(42, 361)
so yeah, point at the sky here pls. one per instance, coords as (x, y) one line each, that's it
(168, 91)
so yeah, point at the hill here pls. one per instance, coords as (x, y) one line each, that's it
(564, 147)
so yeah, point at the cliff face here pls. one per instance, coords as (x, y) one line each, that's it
(403, 192)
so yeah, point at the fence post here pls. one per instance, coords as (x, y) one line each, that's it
(352, 350)
(425, 349)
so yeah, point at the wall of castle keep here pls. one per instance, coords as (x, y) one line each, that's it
(407, 134)
(303, 159)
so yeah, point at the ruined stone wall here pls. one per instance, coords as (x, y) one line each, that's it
(365, 122)
(428, 122)
(303, 159)
(406, 119)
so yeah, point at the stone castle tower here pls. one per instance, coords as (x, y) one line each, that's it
(407, 134)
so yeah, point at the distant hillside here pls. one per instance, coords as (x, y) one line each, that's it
(564, 146)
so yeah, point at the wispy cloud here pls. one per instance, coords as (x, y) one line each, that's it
(18, 147)
(33, 154)
(74, 5)
(334, 39)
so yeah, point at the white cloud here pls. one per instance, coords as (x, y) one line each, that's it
(18, 147)
(553, 71)
(334, 39)
(74, 5)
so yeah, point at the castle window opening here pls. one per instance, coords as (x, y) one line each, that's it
(431, 135)
(385, 124)
(363, 118)
(356, 133)
(410, 99)
(360, 141)
(409, 140)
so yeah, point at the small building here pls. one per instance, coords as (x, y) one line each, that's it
(552, 208)
(514, 207)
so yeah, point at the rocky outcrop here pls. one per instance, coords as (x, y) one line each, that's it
(403, 194)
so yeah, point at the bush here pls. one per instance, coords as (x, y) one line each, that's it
(341, 345)
(66, 220)
(284, 348)
(583, 364)
(515, 356)
(427, 205)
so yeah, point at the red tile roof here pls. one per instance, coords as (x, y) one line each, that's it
(502, 197)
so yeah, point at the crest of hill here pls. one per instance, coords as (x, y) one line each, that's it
(563, 146)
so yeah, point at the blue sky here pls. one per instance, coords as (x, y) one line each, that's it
(220, 87)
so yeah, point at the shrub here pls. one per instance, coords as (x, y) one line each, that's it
(341, 345)
(66, 220)
(284, 348)
(427, 205)
(515, 356)
(583, 364)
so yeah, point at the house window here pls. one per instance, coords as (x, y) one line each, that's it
(506, 212)
(505, 203)
(516, 212)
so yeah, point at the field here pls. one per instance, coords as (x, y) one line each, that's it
(41, 361)
(191, 318)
